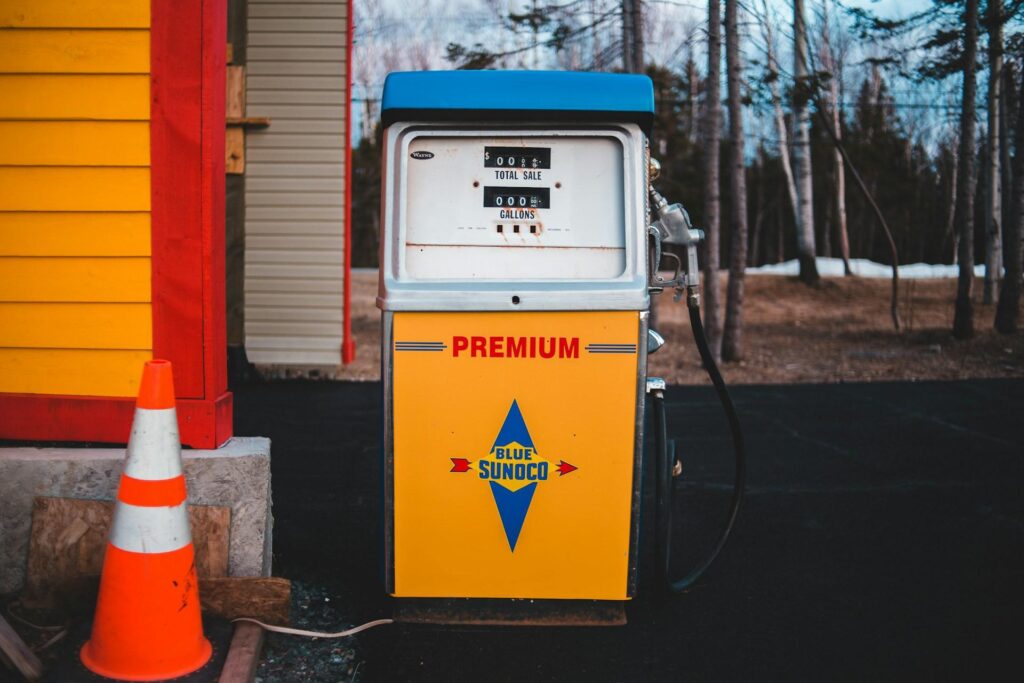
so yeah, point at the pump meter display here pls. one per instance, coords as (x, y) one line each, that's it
(517, 157)
(529, 206)
(518, 197)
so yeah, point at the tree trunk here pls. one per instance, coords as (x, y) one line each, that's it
(693, 85)
(632, 36)
(802, 151)
(732, 340)
(712, 204)
(627, 36)
(894, 300)
(1007, 88)
(951, 231)
(780, 119)
(638, 36)
(993, 177)
(834, 66)
(1008, 309)
(826, 228)
(759, 208)
(780, 242)
(963, 315)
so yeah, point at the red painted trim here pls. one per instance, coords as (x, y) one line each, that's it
(208, 424)
(99, 419)
(348, 344)
(176, 80)
(211, 191)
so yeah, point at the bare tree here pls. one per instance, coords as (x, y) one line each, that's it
(833, 131)
(963, 316)
(951, 230)
(1008, 309)
(712, 204)
(832, 63)
(779, 117)
(693, 86)
(802, 151)
(993, 177)
(632, 36)
(732, 346)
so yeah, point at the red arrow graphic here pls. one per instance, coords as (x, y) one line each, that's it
(565, 468)
(462, 465)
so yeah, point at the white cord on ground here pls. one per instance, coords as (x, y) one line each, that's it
(317, 634)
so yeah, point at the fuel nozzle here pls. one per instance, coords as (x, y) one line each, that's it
(673, 226)
(674, 223)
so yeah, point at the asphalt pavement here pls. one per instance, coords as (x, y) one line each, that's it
(882, 538)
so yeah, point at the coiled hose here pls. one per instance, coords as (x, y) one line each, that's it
(666, 459)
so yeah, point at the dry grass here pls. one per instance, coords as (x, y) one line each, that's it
(839, 331)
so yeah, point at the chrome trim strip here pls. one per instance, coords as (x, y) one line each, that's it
(387, 450)
(638, 456)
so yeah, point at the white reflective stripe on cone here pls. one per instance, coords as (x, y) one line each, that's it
(154, 450)
(150, 529)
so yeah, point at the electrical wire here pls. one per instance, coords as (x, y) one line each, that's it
(39, 627)
(666, 462)
(316, 634)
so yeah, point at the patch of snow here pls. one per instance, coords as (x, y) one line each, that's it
(833, 267)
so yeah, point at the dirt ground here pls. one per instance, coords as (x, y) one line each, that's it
(839, 331)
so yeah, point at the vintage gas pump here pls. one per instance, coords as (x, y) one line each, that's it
(516, 268)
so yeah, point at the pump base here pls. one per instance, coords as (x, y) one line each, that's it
(509, 612)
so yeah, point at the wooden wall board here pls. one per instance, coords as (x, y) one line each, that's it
(70, 233)
(74, 96)
(42, 188)
(69, 372)
(124, 326)
(74, 143)
(62, 51)
(69, 539)
(82, 279)
(74, 13)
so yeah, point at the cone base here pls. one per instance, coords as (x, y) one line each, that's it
(205, 652)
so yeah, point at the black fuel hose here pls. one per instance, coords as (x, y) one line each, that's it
(666, 461)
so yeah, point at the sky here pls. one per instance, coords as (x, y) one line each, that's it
(399, 34)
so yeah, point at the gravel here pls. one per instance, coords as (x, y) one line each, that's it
(295, 658)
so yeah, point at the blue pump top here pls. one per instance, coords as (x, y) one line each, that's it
(531, 96)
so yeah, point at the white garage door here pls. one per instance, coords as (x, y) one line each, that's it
(295, 182)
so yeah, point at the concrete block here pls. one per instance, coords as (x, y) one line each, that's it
(236, 475)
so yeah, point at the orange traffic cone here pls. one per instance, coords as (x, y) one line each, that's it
(147, 625)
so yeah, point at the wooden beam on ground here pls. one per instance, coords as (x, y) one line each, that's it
(267, 599)
(19, 654)
(243, 655)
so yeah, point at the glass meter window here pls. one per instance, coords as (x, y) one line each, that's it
(500, 208)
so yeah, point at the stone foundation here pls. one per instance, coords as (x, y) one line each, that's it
(236, 475)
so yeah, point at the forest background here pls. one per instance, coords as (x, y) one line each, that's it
(790, 130)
